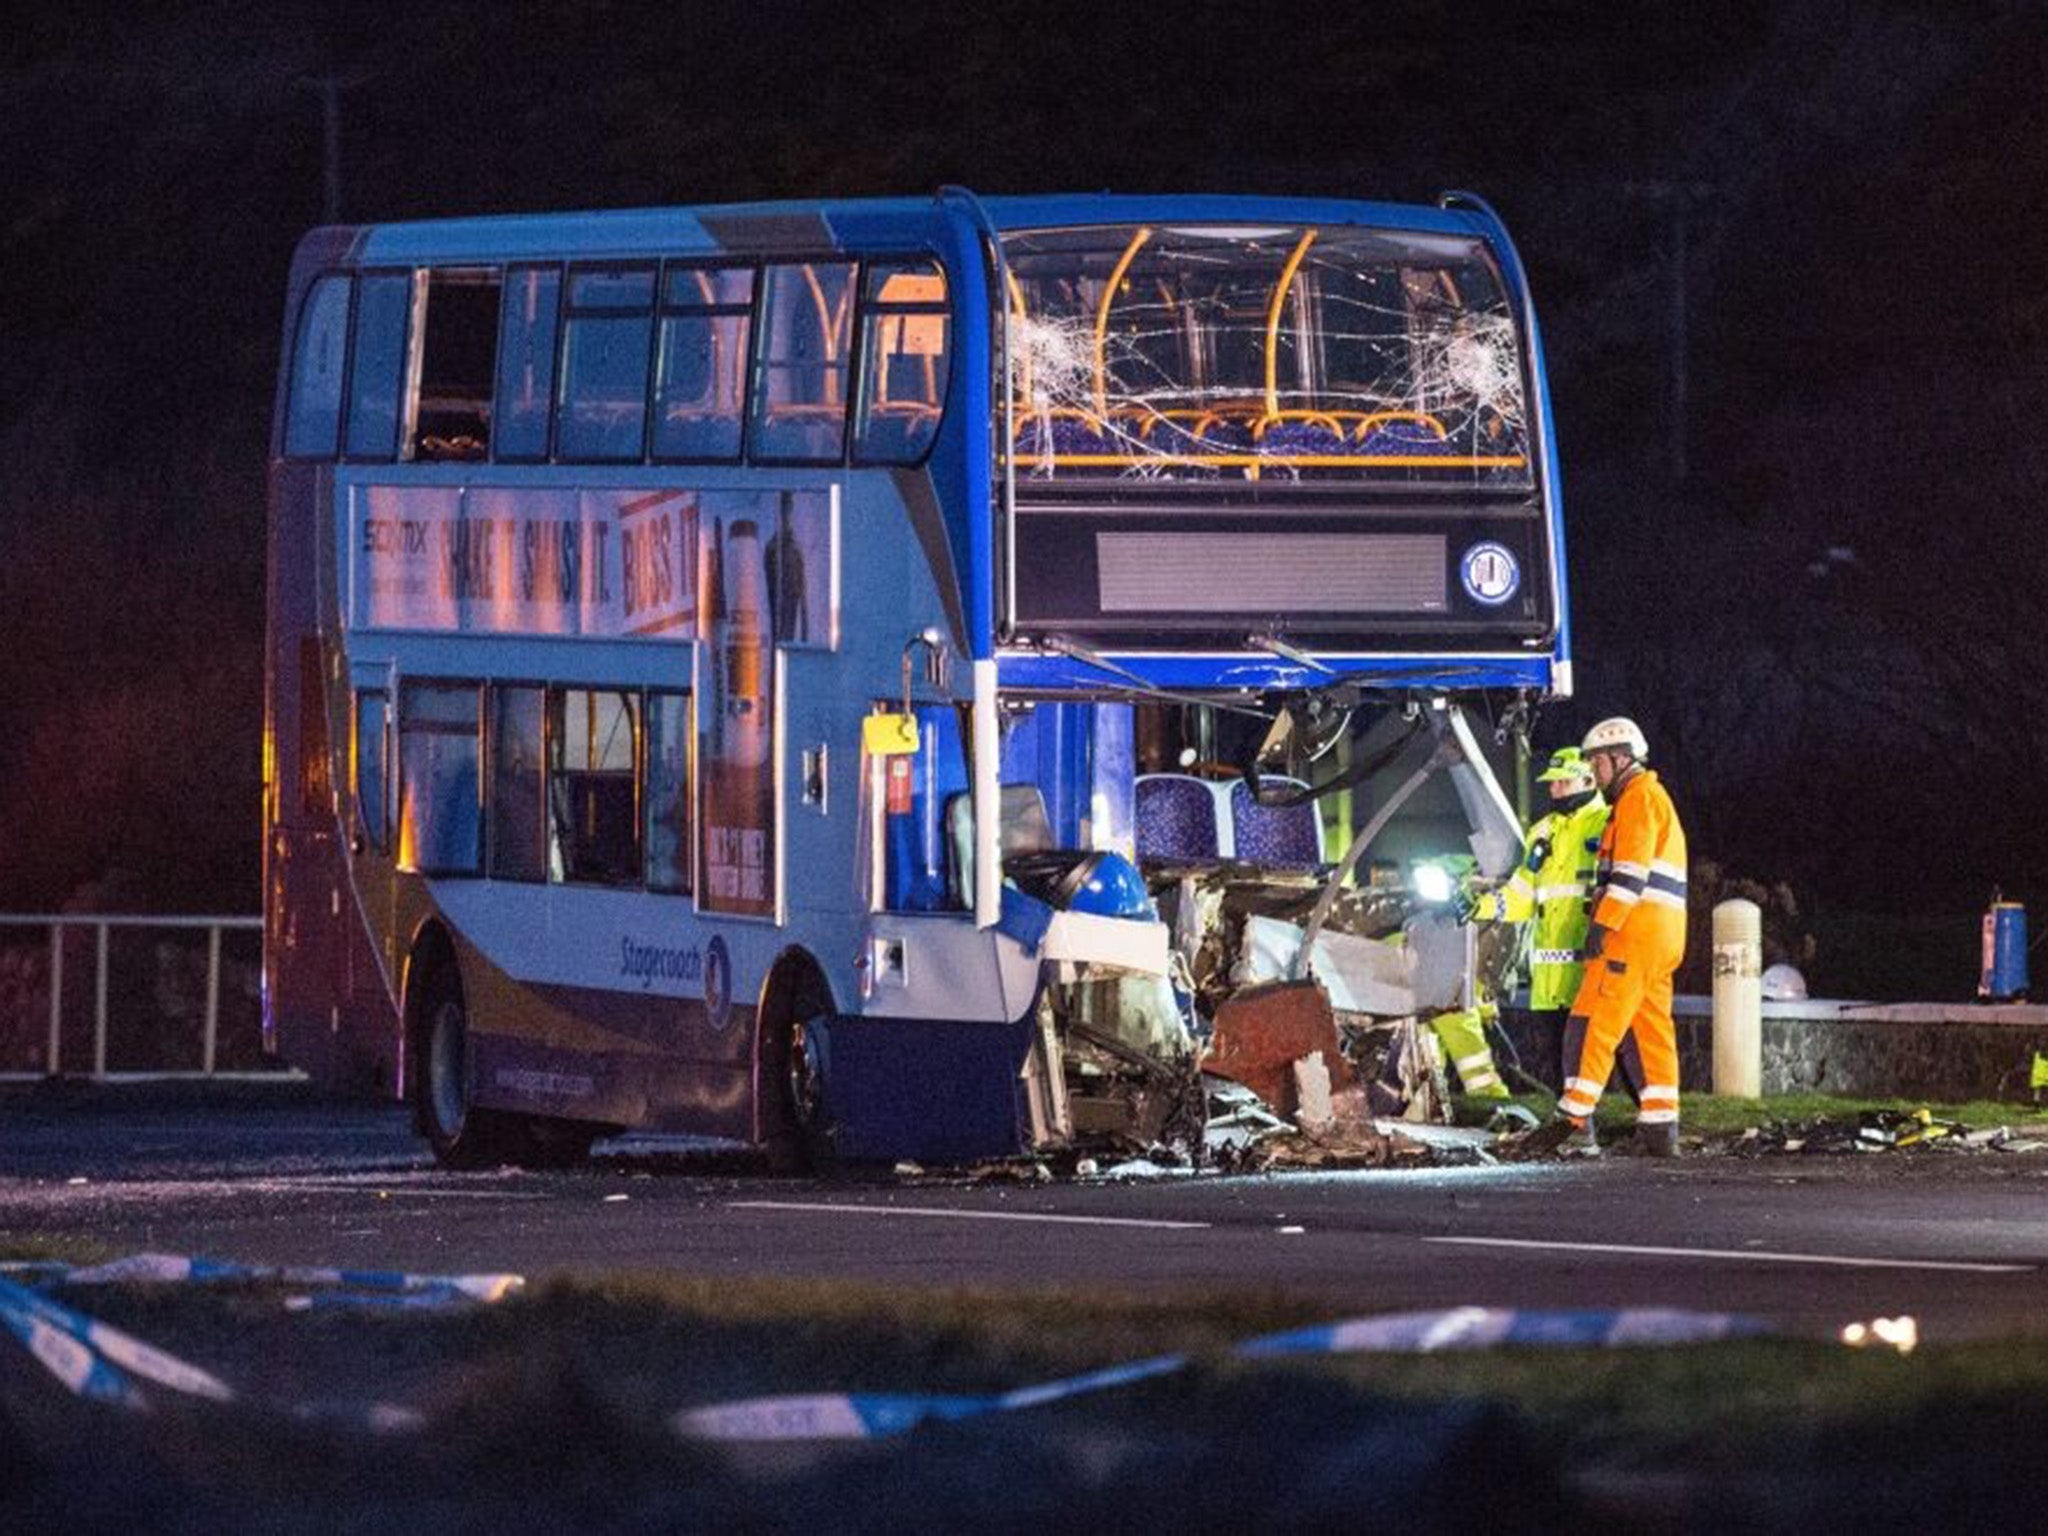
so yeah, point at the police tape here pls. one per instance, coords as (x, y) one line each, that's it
(171, 1268)
(876, 1416)
(871, 1416)
(95, 1360)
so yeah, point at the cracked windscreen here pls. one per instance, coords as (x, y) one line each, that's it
(1234, 352)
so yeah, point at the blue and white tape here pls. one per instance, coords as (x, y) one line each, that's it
(876, 1416)
(869, 1416)
(96, 1359)
(171, 1269)
(1492, 1327)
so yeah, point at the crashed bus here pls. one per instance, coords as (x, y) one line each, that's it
(880, 679)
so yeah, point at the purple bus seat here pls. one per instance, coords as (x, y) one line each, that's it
(1176, 818)
(1290, 837)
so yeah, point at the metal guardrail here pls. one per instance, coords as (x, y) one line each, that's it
(102, 925)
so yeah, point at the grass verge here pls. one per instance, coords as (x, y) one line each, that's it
(561, 1396)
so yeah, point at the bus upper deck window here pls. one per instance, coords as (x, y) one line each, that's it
(313, 421)
(903, 363)
(800, 389)
(701, 372)
(526, 362)
(377, 370)
(452, 413)
(605, 346)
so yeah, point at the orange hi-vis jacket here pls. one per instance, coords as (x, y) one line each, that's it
(1641, 877)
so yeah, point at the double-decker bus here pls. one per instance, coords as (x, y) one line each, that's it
(756, 670)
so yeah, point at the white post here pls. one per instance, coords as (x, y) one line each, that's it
(1738, 999)
(99, 1008)
(56, 992)
(988, 799)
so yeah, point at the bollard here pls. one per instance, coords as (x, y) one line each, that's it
(1738, 999)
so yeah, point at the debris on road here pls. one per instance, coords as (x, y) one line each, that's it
(1873, 1130)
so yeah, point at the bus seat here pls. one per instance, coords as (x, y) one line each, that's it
(1176, 817)
(1023, 827)
(1060, 432)
(1290, 837)
(1402, 433)
(1292, 434)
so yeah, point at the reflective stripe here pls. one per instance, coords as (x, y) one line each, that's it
(1555, 956)
(1582, 1085)
(1474, 1081)
(1478, 1060)
(1622, 894)
(1560, 892)
(1675, 884)
(1661, 1096)
(1580, 1109)
(1648, 1116)
(1675, 871)
(1666, 899)
(1630, 867)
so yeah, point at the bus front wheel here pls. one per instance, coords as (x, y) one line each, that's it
(798, 1121)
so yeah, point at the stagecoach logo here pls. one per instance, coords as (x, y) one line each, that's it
(718, 982)
(1490, 573)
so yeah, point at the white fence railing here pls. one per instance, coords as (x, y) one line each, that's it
(102, 926)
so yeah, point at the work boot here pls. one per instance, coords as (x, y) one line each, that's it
(1560, 1137)
(1660, 1140)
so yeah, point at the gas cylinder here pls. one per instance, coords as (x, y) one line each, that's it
(2003, 976)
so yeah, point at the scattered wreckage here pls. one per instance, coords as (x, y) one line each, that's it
(1287, 1022)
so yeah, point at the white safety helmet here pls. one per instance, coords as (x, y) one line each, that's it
(1616, 731)
(1782, 983)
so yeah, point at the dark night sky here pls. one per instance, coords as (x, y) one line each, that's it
(1859, 190)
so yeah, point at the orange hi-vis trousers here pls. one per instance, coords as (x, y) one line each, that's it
(1640, 909)
(1621, 996)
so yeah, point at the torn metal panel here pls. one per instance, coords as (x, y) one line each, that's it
(1262, 1031)
(1360, 975)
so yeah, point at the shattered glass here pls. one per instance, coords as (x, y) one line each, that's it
(1232, 352)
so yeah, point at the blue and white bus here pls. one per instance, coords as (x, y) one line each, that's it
(737, 670)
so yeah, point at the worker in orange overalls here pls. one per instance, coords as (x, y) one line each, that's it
(1633, 947)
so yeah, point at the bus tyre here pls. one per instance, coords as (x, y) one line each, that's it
(461, 1135)
(800, 1135)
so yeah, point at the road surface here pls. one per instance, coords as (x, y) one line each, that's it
(1958, 1240)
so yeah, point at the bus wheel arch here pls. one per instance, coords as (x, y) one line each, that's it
(437, 1054)
(795, 1123)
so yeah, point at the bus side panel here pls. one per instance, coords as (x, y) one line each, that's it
(943, 1089)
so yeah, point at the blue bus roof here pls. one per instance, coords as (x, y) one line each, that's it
(836, 223)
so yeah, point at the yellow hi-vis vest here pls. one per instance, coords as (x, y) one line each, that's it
(1555, 894)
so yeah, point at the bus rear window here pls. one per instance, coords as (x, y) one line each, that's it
(377, 366)
(313, 420)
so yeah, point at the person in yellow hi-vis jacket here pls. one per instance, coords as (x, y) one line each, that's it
(1633, 947)
(1552, 885)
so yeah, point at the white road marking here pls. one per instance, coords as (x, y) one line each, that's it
(939, 1210)
(1737, 1253)
(395, 1191)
